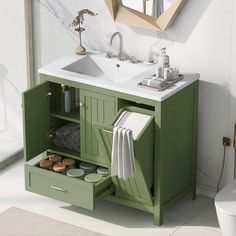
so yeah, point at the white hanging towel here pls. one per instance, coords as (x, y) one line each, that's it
(122, 164)
(120, 152)
(127, 154)
(114, 153)
(126, 130)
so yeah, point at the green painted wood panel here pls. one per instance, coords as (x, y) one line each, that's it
(180, 133)
(36, 120)
(97, 108)
(129, 203)
(61, 187)
(175, 149)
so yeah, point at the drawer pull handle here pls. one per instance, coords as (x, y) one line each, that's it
(58, 189)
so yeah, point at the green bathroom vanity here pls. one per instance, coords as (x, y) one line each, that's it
(165, 151)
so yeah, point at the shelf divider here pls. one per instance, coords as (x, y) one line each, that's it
(73, 116)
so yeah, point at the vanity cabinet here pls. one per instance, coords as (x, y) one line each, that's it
(165, 153)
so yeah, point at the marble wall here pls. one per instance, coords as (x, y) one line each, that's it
(199, 41)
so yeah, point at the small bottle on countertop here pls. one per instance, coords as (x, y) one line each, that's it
(167, 73)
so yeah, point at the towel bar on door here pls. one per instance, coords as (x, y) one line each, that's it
(107, 131)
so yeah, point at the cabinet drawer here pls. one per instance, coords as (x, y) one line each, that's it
(61, 187)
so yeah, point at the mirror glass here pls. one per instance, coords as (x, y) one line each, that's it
(150, 7)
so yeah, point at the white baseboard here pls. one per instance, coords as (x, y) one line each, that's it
(8, 160)
(206, 190)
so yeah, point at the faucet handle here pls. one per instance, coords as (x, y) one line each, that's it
(134, 60)
(109, 54)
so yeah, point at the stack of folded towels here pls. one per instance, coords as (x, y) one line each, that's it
(154, 82)
(68, 136)
(126, 129)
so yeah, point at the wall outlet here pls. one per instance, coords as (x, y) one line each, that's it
(234, 135)
(226, 141)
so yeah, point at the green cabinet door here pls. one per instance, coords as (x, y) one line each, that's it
(95, 109)
(36, 120)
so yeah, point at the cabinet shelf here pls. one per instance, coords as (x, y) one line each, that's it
(64, 152)
(73, 116)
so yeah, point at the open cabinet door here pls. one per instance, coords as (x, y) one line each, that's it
(36, 120)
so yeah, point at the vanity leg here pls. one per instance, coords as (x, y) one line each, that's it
(193, 191)
(158, 215)
(194, 194)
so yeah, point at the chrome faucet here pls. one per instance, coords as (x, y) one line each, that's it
(120, 53)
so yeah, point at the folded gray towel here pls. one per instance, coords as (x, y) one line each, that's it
(67, 129)
(68, 137)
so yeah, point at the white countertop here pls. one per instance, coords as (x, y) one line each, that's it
(129, 87)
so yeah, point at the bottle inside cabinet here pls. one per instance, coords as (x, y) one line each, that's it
(64, 102)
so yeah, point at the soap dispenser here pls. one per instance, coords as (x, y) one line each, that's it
(163, 62)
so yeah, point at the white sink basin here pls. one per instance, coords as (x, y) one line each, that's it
(100, 67)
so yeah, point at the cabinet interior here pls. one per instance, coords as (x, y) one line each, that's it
(36, 163)
(126, 103)
(56, 105)
(60, 118)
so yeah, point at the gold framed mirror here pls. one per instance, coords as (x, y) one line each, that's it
(151, 14)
